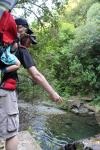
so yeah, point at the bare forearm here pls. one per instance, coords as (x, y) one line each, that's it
(44, 83)
(41, 80)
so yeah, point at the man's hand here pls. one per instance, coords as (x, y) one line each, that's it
(56, 98)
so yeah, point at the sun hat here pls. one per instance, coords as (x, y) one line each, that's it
(24, 23)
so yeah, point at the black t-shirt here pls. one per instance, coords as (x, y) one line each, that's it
(26, 60)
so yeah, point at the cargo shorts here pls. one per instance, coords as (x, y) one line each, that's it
(9, 114)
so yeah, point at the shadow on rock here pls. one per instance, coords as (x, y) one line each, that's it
(75, 146)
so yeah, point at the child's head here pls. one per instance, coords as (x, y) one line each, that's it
(25, 33)
(22, 26)
(27, 39)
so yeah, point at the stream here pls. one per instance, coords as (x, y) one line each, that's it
(54, 128)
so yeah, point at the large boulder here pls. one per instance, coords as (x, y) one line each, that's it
(26, 142)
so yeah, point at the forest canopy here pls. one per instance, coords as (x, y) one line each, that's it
(68, 49)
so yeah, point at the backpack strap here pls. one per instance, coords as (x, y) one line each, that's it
(5, 22)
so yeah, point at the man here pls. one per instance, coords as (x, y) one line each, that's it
(9, 115)
(22, 27)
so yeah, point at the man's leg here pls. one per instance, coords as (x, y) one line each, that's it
(12, 143)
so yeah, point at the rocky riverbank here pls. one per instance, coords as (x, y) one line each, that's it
(26, 142)
(81, 108)
(41, 114)
(48, 109)
(81, 105)
(76, 104)
(86, 144)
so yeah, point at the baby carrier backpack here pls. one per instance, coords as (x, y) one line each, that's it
(8, 30)
(8, 33)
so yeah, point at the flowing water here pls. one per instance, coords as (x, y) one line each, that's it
(54, 130)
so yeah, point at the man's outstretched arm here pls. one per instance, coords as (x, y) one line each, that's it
(41, 80)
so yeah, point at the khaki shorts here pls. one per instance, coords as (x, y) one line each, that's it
(9, 114)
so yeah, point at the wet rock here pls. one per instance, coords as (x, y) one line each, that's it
(91, 112)
(26, 142)
(90, 108)
(75, 98)
(93, 143)
(75, 110)
(44, 110)
(73, 146)
(25, 115)
(88, 98)
(97, 116)
(73, 104)
(79, 107)
(83, 110)
(87, 144)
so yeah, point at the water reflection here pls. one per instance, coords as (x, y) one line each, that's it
(72, 126)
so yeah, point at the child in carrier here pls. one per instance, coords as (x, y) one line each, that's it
(27, 36)
(8, 44)
(27, 39)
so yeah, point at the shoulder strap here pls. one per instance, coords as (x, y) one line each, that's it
(5, 22)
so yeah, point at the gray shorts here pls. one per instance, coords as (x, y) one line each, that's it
(9, 114)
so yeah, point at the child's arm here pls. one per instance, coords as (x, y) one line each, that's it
(12, 67)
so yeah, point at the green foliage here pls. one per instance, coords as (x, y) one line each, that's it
(93, 13)
(68, 49)
(86, 58)
(76, 11)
